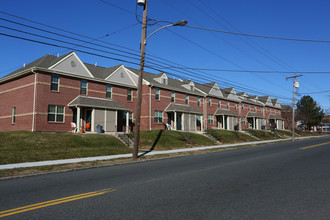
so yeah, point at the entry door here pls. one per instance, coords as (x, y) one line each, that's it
(170, 118)
(225, 122)
(179, 121)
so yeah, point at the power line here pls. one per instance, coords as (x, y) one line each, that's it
(314, 92)
(259, 36)
(121, 59)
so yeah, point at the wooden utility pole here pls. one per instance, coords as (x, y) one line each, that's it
(139, 90)
(295, 85)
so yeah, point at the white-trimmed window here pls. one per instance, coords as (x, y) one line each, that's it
(129, 95)
(55, 113)
(227, 104)
(13, 117)
(54, 82)
(108, 91)
(187, 99)
(157, 94)
(198, 101)
(83, 87)
(219, 103)
(235, 106)
(210, 119)
(243, 120)
(242, 106)
(158, 117)
(172, 96)
(210, 101)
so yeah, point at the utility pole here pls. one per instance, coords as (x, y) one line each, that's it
(139, 90)
(295, 85)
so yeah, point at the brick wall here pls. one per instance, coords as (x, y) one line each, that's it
(17, 93)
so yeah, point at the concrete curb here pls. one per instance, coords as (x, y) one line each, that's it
(110, 157)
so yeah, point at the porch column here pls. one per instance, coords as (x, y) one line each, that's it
(127, 122)
(78, 119)
(283, 125)
(223, 122)
(254, 123)
(202, 123)
(174, 121)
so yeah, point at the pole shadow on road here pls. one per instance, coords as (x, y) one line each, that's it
(153, 145)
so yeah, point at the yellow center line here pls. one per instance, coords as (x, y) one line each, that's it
(316, 145)
(53, 202)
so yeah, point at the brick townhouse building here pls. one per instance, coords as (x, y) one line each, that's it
(51, 93)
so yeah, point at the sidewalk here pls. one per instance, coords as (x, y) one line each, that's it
(86, 159)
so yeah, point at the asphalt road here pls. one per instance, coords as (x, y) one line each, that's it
(277, 181)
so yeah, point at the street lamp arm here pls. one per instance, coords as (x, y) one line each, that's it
(179, 23)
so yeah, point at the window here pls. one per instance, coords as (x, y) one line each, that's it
(242, 106)
(219, 103)
(158, 117)
(210, 101)
(129, 95)
(54, 83)
(227, 104)
(255, 109)
(157, 94)
(187, 99)
(13, 117)
(198, 120)
(243, 121)
(249, 107)
(83, 87)
(198, 101)
(235, 106)
(191, 87)
(210, 119)
(172, 96)
(164, 81)
(109, 91)
(260, 109)
(55, 113)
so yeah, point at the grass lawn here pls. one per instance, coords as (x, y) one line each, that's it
(263, 135)
(284, 133)
(228, 137)
(306, 133)
(166, 140)
(18, 147)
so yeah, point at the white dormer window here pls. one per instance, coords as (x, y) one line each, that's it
(164, 81)
(191, 88)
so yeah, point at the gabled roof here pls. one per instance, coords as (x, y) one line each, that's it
(85, 101)
(172, 107)
(205, 87)
(43, 62)
(275, 117)
(100, 72)
(254, 114)
(221, 111)
(172, 84)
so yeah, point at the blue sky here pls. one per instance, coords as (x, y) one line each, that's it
(185, 46)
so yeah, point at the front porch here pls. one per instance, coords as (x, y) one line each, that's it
(89, 113)
(184, 118)
(226, 119)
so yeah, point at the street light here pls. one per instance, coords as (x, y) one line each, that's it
(142, 57)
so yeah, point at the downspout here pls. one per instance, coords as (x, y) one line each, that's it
(34, 99)
(150, 106)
